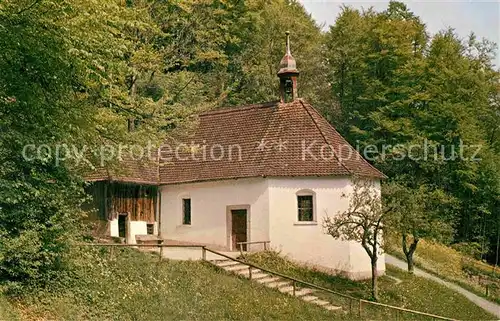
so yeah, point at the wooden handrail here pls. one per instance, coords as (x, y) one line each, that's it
(240, 245)
(159, 246)
(140, 245)
(331, 291)
(254, 242)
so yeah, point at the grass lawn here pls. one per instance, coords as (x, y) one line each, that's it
(453, 266)
(412, 293)
(7, 312)
(134, 286)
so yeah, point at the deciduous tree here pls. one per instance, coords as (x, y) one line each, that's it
(362, 222)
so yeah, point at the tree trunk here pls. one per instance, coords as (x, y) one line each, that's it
(374, 278)
(409, 260)
(409, 252)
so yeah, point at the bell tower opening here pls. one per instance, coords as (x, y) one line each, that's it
(288, 74)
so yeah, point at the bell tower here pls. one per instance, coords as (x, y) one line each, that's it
(288, 74)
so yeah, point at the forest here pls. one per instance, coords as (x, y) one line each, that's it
(75, 72)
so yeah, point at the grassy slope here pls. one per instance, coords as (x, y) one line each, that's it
(450, 265)
(136, 287)
(412, 293)
(7, 312)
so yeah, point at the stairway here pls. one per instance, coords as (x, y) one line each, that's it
(271, 281)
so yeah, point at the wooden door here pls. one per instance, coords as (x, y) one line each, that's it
(239, 228)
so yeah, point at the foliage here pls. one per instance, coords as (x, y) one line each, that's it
(84, 73)
(39, 200)
(235, 47)
(429, 106)
(472, 249)
(362, 222)
(412, 217)
(69, 73)
(412, 293)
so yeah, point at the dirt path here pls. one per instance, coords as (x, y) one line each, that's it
(489, 306)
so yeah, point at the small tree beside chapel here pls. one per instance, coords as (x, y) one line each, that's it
(361, 222)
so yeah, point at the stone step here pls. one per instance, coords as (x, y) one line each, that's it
(246, 272)
(303, 291)
(268, 279)
(259, 275)
(278, 284)
(236, 267)
(226, 263)
(282, 285)
(286, 289)
(320, 302)
(254, 270)
(309, 298)
(330, 307)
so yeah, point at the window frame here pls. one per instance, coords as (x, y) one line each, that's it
(312, 195)
(183, 218)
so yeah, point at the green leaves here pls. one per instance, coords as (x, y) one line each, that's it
(412, 94)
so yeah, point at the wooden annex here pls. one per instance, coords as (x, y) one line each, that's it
(124, 202)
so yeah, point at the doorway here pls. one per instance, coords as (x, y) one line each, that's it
(238, 228)
(122, 225)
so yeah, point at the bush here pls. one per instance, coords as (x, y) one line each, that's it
(38, 225)
(472, 249)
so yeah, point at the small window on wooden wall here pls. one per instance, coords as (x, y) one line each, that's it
(305, 207)
(186, 211)
(150, 229)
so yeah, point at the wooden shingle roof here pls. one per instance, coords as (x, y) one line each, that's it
(127, 170)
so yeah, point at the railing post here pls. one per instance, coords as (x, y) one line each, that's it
(203, 254)
(350, 306)
(161, 252)
(265, 246)
(293, 288)
(111, 250)
(249, 272)
(360, 308)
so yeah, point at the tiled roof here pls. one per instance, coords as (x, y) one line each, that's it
(263, 140)
(270, 140)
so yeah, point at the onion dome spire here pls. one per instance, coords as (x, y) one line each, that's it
(288, 74)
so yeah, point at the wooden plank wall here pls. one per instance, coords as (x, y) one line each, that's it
(136, 200)
(112, 199)
(96, 206)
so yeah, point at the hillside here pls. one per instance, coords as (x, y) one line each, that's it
(133, 286)
(447, 263)
(398, 288)
(7, 312)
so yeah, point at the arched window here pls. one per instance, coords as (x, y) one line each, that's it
(306, 200)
